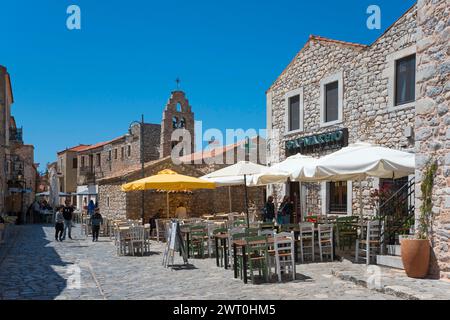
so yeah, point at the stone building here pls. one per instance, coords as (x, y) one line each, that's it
(393, 92)
(17, 167)
(90, 163)
(6, 99)
(432, 123)
(113, 202)
(345, 91)
(177, 115)
(66, 166)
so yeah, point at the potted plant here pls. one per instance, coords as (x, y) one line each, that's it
(416, 250)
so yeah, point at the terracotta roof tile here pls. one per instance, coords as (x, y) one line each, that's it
(213, 152)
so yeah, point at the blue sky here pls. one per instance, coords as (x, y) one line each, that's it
(86, 86)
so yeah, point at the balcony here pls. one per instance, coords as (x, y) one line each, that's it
(89, 175)
(16, 135)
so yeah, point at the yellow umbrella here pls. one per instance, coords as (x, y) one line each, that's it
(168, 180)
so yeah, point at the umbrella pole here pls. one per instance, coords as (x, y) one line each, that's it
(167, 201)
(360, 200)
(229, 198)
(246, 200)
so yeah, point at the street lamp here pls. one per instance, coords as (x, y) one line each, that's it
(141, 145)
(23, 186)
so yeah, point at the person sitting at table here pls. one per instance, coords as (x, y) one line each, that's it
(181, 212)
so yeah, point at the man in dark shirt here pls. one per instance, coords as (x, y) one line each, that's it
(269, 210)
(67, 214)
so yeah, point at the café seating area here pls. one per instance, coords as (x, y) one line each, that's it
(265, 251)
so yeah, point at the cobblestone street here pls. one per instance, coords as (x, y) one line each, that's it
(40, 268)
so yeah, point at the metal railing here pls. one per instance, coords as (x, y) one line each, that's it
(397, 214)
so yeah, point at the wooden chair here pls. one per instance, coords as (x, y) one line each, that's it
(289, 227)
(306, 238)
(257, 256)
(284, 246)
(267, 232)
(231, 232)
(137, 239)
(369, 243)
(346, 231)
(220, 249)
(252, 231)
(198, 237)
(161, 229)
(326, 240)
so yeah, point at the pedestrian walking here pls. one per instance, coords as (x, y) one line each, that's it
(67, 212)
(59, 225)
(96, 221)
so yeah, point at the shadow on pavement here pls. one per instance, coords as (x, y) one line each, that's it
(30, 267)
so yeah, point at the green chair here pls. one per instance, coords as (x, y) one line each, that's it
(290, 227)
(257, 257)
(220, 248)
(198, 236)
(252, 231)
(239, 257)
(239, 223)
(347, 232)
(266, 225)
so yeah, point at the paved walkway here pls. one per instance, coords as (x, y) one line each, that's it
(37, 267)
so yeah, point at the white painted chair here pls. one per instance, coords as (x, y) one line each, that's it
(306, 237)
(368, 244)
(147, 236)
(326, 240)
(284, 246)
(137, 239)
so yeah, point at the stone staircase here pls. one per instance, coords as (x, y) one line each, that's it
(393, 257)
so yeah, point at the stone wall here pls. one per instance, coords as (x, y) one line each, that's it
(433, 120)
(3, 136)
(197, 202)
(365, 72)
(26, 154)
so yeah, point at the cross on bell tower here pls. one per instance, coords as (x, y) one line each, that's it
(177, 80)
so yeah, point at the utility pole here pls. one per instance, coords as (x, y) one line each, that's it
(142, 166)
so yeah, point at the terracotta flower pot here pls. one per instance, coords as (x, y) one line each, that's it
(415, 257)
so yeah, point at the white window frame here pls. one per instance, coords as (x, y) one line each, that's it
(287, 96)
(390, 73)
(339, 77)
(325, 196)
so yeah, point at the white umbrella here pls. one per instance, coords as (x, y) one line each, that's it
(233, 174)
(358, 161)
(291, 167)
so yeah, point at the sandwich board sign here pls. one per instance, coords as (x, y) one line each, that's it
(174, 244)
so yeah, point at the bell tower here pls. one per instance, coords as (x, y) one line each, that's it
(176, 115)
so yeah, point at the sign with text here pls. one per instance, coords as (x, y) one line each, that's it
(318, 142)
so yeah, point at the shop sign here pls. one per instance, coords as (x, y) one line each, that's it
(318, 142)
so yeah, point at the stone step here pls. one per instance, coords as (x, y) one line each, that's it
(394, 250)
(390, 261)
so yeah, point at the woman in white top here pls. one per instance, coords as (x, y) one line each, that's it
(181, 212)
